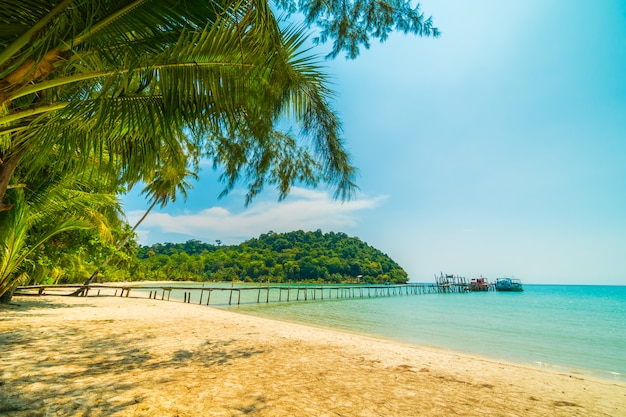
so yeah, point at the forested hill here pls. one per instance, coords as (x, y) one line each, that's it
(279, 257)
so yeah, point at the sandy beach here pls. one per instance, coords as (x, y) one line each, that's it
(112, 356)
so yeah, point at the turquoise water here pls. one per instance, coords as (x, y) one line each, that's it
(572, 328)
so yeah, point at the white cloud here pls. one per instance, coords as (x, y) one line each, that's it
(304, 209)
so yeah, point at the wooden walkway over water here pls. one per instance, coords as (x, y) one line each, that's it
(238, 294)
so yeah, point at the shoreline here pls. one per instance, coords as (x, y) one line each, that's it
(576, 371)
(134, 357)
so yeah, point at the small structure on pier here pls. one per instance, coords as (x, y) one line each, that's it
(450, 283)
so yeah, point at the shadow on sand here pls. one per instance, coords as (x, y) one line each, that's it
(63, 369)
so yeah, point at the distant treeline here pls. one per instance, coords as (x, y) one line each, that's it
(276, 257)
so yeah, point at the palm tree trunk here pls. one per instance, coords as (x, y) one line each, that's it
(8, 295)
(127, 238)
(8, 163)
(120, 245)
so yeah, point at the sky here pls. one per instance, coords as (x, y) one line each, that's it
(498, 149)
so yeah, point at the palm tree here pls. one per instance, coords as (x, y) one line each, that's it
(168, 181)
(133, 83)
(131, 80)
(57, 205)
(163, 189)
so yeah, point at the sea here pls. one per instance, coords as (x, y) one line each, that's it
(571, 328)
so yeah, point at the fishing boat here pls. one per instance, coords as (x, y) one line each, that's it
(509, 284)
(478, 284)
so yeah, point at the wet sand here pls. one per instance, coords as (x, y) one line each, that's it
(112, 356)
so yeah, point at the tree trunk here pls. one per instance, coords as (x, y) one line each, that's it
(8, 295)
(8, 163)
(93, 276)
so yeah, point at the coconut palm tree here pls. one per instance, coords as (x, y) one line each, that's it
(169, 181)
(128, 80)
(57, 205)
(127, 84)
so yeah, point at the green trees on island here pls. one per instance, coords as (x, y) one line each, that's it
(116, 91)
(275, 257)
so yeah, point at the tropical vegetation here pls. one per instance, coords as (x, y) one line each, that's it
(63, 221)
(272, 257)
(118, 92)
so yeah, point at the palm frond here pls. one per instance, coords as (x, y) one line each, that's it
(145, 82)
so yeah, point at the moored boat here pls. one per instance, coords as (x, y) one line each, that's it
(478, 284)
(509, 284)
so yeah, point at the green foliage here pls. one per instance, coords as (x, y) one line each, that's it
(352, 23)
(139, 84)
(62, 224)
(276, 257)
(142, 90)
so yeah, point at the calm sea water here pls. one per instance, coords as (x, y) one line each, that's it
(573, 328)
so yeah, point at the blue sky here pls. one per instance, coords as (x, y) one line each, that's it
(497, 149)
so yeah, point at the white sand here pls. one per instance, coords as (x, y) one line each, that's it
(112, 356)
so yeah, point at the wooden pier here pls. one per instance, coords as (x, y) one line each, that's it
(457, 284)
(225, 294)
(451, 283)
(237, 294)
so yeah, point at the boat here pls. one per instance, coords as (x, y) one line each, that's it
(509, 284)
(478, 284)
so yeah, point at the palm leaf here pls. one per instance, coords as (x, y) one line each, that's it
(143, 82)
